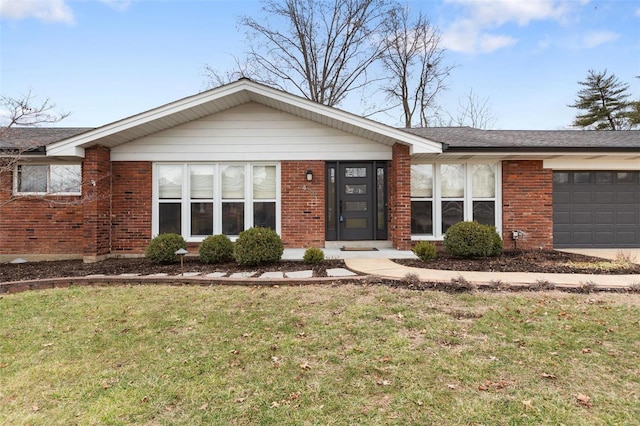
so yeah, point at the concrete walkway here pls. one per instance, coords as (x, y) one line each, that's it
(386, 268)
(379, 263)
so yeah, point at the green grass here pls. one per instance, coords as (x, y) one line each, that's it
(329, 355)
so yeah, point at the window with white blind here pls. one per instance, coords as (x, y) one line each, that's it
(197, 200)
(445, 194)
(53, 179)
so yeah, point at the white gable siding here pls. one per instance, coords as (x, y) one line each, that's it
(251, 132)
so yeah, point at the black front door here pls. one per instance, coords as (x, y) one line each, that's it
(356, 201)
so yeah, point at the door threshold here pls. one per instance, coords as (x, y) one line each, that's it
(353, 245)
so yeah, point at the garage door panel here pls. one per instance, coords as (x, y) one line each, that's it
(626, 218)
(604, 237)
(626, 197)
(582, 218)
(603, 218)
(583, 197)
(604, 197)
(596, 209)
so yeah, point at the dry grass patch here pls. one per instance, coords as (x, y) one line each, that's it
(317, 355)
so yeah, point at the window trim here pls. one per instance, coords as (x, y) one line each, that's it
(48, 192)
(467, 199)
(186, 200)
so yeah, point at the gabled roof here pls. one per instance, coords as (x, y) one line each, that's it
(229, 96)
(468, 139)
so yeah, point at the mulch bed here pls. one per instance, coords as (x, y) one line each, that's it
(141, 266)
(518, 261)
(522, 261)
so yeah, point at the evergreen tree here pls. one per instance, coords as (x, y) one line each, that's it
(604, 100)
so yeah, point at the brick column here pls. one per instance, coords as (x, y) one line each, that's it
(96, 194)
(527, 204)
(400, 197)
(303, 204)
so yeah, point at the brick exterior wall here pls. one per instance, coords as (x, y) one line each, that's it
(400, 197)
(34, 227)
(96, 194)
(131, 206)
(303, 204)
(527, 204)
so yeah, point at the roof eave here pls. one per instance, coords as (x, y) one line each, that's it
(74, 146)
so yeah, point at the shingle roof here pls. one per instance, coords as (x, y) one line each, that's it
(456, 138)
(468, 138)
(33, 138)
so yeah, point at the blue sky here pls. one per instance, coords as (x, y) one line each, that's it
(109, 59)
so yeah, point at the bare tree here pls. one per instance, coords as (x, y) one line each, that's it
(474, 111)
(23, 111)
(415, 60)
(321, 48)
(216, 77)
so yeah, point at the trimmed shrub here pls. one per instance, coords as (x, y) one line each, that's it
(313, 256)
(471, 239)
(425, 250)
(162, 248)
(497, 242)
(216, 249)
(257, 246)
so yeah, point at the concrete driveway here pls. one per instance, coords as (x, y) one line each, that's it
(633, 254)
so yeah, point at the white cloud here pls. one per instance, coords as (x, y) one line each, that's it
(597, 38)
(119, 5)
(44, 10)
(475, 32)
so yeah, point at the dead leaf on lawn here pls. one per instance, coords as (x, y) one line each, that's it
(305, 366)
(240, 400)
(203, 407)
(584, 400)
(586, 350)
(549, 376)
(46, 345)
(383, 382)
(528, 405)
(4, 365)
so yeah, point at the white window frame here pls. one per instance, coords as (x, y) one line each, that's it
(186, 200)
(467, 198)
(48, 191)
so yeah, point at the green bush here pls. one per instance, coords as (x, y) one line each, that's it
(162, 248)
(313, 256)
(425, 250)
(216, 249)
(497, 243)
(257, 246)
(472, 239)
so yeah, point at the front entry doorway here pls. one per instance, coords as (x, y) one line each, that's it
(356, 201)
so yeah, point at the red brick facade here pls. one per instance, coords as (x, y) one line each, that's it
(303, 204)
(36, 226)
(131, 206)
(114, 214)
(400, 198)
(96, 203)
(527, 204)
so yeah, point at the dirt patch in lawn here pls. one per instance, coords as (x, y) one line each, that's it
(528, 261)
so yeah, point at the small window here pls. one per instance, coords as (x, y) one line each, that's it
(63, 179)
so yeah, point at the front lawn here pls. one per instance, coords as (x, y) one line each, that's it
(317, 355)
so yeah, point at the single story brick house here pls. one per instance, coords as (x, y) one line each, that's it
(244, 155)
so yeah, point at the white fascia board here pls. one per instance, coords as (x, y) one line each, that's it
(418, 144)
(58, 148)
(613, 163)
